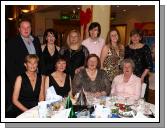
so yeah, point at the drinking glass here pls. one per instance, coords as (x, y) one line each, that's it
(83, 114)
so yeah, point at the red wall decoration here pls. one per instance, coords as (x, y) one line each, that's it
(85, 18)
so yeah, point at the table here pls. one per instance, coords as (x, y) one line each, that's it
(33, 112)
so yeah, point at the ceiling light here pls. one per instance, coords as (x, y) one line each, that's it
(73, 11)
(25, 10)
(117, 5)
(124, 10)
(10, 19)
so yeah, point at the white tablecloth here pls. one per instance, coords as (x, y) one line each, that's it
(33, 112)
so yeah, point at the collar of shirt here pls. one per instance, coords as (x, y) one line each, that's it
(28, 40)
(94, 41)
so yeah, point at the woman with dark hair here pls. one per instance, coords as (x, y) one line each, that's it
(50, 51)
(92, 79)
(75, 52)
(112, 54)
(59, 79)
(94, 43)
(141, 55)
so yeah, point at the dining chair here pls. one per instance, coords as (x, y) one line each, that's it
(143, 90)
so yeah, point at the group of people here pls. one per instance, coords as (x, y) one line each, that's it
(100, 67)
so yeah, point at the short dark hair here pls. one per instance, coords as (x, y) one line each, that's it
(23, 20)
(98, 61)
(60, 58)
(49, 30)
(94, 25)
(136, 31)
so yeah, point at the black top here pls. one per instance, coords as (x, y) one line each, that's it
(29, 97)
(141, 57)
(60, 90)
(49, 61)
(75, 58)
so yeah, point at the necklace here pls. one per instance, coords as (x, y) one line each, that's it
(51, 49)
(31, 77)
(59, 78)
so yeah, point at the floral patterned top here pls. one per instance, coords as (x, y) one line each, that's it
(82, 80)
(112, 63)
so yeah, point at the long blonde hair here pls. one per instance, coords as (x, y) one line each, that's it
(68, 36)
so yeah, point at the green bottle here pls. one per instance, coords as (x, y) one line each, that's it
(72, 113)
(68, 103)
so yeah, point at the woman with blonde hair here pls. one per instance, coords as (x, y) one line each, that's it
(74, 52)
(112, 54)
(29, 87)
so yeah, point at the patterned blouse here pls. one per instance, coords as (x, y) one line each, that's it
(141, 57)
(101, 82)
(112, 62)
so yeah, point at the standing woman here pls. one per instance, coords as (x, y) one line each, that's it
(29, 87)
(94, 42)
(141, 55)
(50, 51)
(59, 79)
(75, 52)
(112, 54)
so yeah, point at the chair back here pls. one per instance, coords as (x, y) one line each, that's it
(143, 90)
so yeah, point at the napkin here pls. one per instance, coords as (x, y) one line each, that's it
(101, 112)
(52, 95)
(42, 109)
(140, 115)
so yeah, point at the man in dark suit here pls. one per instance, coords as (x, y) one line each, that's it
(15, 51)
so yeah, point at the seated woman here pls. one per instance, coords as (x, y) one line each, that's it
(127, 85)
(29, 86)
(92, 79)
(58, 79)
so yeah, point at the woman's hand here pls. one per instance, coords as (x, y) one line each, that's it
(99, 94)
(78, 69)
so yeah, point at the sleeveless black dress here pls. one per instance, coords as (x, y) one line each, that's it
(28, 97)
(62, 91)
